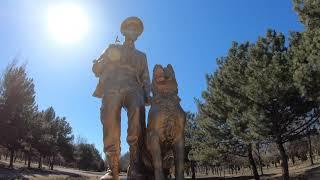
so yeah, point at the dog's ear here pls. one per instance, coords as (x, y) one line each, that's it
(171, 71)
(157, 66)
(153, 84)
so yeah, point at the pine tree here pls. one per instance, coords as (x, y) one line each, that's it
(279, 112)
(305, 49)
(17, 104)
(191, 135)
(44, 140)
(61, 132)
(224, 117)
(253, 96)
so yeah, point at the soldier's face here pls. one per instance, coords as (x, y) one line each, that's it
(131, 33)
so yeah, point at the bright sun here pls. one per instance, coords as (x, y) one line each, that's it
(67, 23)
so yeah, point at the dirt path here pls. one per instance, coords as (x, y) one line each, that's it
(21, 172)
(88, 174)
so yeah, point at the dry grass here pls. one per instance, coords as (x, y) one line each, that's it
(302, 170)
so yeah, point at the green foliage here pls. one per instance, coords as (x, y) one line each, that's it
(263, 92)
(298, 149)
(305, 49)
(253, 96)
(309, 12)
(17, 103)
(190, 132)
(39, 134)
(64, 139)
(88, 157)
(47, 138)
(196, 142)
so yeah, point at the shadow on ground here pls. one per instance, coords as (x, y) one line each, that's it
(307, 173)
(21, 173)
(310, 174)
(267, 176)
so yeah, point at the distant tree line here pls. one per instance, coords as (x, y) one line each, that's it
(261, 105)
(37, 136)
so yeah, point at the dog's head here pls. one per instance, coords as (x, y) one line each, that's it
(164, 80)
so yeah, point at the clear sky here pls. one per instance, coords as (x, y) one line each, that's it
(189, 34)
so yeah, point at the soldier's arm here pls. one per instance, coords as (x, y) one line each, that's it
(145, 78)
(99, 63)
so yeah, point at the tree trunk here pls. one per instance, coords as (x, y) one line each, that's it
(293, 161)
(187, 170)
(15, 157)
(284, 161)
(29, 160)
(52, 162)
(193, 172)
(40, 162)
(261, 170)
(11, 158)
(25, 158)
(259, 158)
(310, 149)
(252, 163)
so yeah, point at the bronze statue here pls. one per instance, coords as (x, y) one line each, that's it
(164, 141)
(123, 82)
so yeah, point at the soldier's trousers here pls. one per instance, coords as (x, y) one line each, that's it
(133, 102)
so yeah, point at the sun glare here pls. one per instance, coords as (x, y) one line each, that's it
(67, 23)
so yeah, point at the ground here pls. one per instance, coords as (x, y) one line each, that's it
(59, 173)
(301, 171)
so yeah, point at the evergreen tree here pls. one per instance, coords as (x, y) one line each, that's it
(64, 140)
(253, 96)
(88, 157)
(305, 49)
(32, 131)
(191, 136)
(60, 132)
(277, 110)
(17, 104)
(224, 110)
(44, 139)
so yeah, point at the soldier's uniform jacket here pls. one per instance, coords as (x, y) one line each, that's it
(121, 68)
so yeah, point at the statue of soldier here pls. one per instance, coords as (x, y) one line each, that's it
(124, 82)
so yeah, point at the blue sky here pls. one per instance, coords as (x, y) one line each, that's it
(188, 34)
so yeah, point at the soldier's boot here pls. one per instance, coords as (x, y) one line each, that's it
(114, 166)
(107, 176)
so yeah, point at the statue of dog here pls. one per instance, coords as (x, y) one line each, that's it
(166, 120)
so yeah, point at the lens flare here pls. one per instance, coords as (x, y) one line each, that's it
(67, 23)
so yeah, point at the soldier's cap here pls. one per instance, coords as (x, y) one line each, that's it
(132, 21)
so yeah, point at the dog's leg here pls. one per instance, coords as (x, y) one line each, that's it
(156, 158)
(179, 157)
